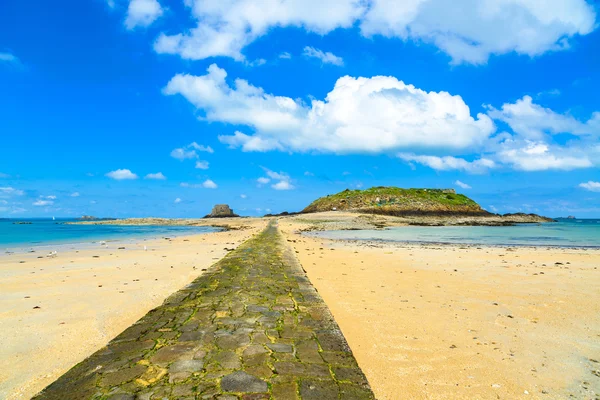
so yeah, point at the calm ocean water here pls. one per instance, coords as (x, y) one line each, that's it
(565, 233)
(44, 232)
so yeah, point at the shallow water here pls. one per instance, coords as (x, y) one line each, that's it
(564, 233)
(39, 232)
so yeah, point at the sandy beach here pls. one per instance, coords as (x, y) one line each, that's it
(424, 321)
(54, 312)
(456, 322)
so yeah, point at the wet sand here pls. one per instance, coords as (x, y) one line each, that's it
(54, 312)
(453, 322)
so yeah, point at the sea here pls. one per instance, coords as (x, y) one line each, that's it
(22, 233)
(563, 233)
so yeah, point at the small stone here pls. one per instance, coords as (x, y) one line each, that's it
(242, 382)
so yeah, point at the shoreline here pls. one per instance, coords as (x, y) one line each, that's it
(450, 244)
(86, 245)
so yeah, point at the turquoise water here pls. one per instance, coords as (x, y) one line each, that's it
(44, 231)
(564, 233)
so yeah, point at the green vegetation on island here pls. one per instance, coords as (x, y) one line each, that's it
(397, 201)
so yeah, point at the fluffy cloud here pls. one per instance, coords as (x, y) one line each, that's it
(75, 194)
(285, 55)
(9, 58)
(10, 191)
(532, 121)
(41, 203)
(360, 115)
(225, 27)
(122, 174)
(201, 164)
(449, 163)
(591, 186)
(157, 176)
(462, 185)
(208, 184)
(469, 31)
(282, 185)
(284, 180)
(190, 151)
(263, 181)
(142, 13)
(177, 200)
(325, 57)
(539, 156)
(383, 114)
(243, 196)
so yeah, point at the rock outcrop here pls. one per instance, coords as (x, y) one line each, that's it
(221, 211)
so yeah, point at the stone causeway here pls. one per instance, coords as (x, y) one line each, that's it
(251, 327)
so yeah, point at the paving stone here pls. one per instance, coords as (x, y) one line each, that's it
(349, 375)
(289, 368)
(251, 328)
(186, 366)
(242, 382)
(123, 375)
(121, 396)
(228, 360)
(280, 347)
(318, 390)
(168, 354)
(349, 391)
(285, 391)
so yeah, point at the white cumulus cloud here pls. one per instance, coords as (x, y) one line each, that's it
(263, 180)
(190, 151)
(325, 57)
(283, 185)
(360, 115)
(122, 174)
(9, 58)
(469, 31)
(75, 194)
(10, 191)
(208, 184)
(449, 163)
(532, 121)
(142, 13)
(462, 185)
(283, 180)
(591, 186)
(201, 164)
(157, 176)
(41, 203)
(177, 200)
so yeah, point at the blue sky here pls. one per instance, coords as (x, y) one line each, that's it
(167, 107)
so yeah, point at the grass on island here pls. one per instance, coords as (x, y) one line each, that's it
(390, 196)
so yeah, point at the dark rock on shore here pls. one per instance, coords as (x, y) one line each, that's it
(221, 211)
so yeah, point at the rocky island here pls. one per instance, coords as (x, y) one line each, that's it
(431, 207)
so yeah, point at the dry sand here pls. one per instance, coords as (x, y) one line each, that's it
(431, 322)
(84, 301)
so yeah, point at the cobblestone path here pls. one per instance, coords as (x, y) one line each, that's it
(252, 327)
